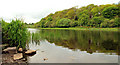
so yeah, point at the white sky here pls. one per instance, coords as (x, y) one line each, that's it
(33, 10)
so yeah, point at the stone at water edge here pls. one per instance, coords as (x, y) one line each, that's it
(42, 51)
(18, 56)
(30, 52)
(3, 45)
(20, 50)
(10, 50)
(45, 59)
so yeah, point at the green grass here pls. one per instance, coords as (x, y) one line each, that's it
(94, 29)
(30, 26)
(15, 33)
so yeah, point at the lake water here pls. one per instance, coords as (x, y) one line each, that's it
(73, 46)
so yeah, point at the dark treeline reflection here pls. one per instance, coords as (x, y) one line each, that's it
(90, 41)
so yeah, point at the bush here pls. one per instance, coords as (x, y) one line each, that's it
(105, 23)
(4, 30)
(117, 22)
(109, 23)
(96, 21)
(110, 12)
(112, 23)
(15, 33)
(74, 23)
(83, 19)
(64, 22)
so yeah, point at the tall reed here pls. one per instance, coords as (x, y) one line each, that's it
(15, 33)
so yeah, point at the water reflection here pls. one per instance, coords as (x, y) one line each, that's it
(90, 41)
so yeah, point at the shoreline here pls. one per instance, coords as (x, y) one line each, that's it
(14, 55)
(91, 29)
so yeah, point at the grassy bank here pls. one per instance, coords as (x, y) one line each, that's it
(95, 29)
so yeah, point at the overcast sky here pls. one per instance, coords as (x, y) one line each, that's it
(33, 10)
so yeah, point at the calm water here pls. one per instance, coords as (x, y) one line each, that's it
(72, 46)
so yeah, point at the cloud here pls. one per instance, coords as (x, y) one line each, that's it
(33, 10)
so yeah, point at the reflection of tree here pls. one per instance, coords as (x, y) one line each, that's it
(110, 45)
(89, 50)
(90, 41)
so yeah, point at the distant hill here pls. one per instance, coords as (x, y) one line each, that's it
(87, 16)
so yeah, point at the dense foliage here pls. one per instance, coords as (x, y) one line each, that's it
(14, 33)
(91, 16)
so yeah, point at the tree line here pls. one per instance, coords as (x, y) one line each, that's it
(104, 16)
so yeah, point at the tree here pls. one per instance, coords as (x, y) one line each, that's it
(111, 23)
(110, 12)
(96, 11)
(47, 22)
(73, 23)
(83, 12)
(83, 20)
(105, 23)
(117, 22)
(42, 22)
(91, 15)
(49, 18)
(71, 13)
(97, 21)
(118, 5)
(64, 22)
(89, 8)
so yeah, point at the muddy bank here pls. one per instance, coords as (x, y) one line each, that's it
(11, 56)
(8, 58)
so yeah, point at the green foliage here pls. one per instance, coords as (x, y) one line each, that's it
(90, 6)
(118, 8)
(4, 30)
(83, 19)
(96, 21)
(111, 23)
(96, 11)
(90, 16)
(117, 22)
(41, 23)
(63, 22)
(73, 23)
(110, 12)
(105, 23)
(83, 12)
(15, 33)
(49, 19)
(71, 13)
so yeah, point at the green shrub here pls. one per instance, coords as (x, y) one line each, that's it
(15, 33)
(64, 22)
(83, 19)
(117, 22)
(105, 23)
(4, 31)
(96, 21)
(110, 12)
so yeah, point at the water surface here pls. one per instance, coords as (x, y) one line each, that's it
(72, 46)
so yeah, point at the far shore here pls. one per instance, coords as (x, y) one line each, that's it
(94, 29)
